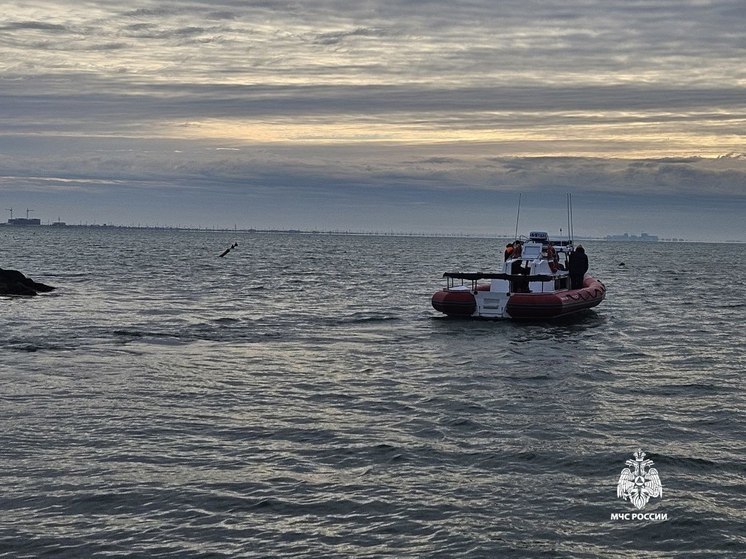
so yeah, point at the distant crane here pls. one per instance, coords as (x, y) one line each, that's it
(28, 212)
(11, 212)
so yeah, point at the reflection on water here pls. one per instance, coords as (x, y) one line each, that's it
(300, 397)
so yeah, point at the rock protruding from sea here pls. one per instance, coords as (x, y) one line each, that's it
(13, 282)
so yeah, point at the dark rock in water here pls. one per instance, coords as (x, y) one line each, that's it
(13, 282)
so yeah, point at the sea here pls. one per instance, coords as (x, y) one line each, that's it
(300, 397)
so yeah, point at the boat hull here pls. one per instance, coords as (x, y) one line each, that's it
(523, 306)
(454, 303)
(531, 306)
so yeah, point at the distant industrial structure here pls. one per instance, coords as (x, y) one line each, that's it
(23, 220)
(627, 237)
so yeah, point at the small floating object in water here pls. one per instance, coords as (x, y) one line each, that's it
(226, 251)
(621, 264)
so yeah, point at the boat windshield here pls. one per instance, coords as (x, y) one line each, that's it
(531, 251)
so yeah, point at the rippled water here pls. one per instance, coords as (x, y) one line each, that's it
(301, 398)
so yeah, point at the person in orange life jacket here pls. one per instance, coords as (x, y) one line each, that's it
(517, 267)
(508, 251)
(578, 266)
(517, 249)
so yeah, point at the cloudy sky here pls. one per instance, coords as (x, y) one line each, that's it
(405, 115)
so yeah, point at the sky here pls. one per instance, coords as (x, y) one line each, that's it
(377, 115)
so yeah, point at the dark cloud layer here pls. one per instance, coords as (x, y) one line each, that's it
(110, 103)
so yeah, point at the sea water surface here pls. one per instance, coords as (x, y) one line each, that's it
(301, 398)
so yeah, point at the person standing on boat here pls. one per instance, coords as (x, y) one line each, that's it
(552, 258)
(578, 266)
(508, 251)
(517, 249)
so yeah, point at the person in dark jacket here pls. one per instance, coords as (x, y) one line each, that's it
(577, 267)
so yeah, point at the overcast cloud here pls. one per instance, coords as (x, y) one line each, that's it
(398, 114)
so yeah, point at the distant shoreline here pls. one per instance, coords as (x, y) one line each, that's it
(435, 235)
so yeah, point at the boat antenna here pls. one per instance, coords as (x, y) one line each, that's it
(569, 218)
(517, 217)
(572, 220)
